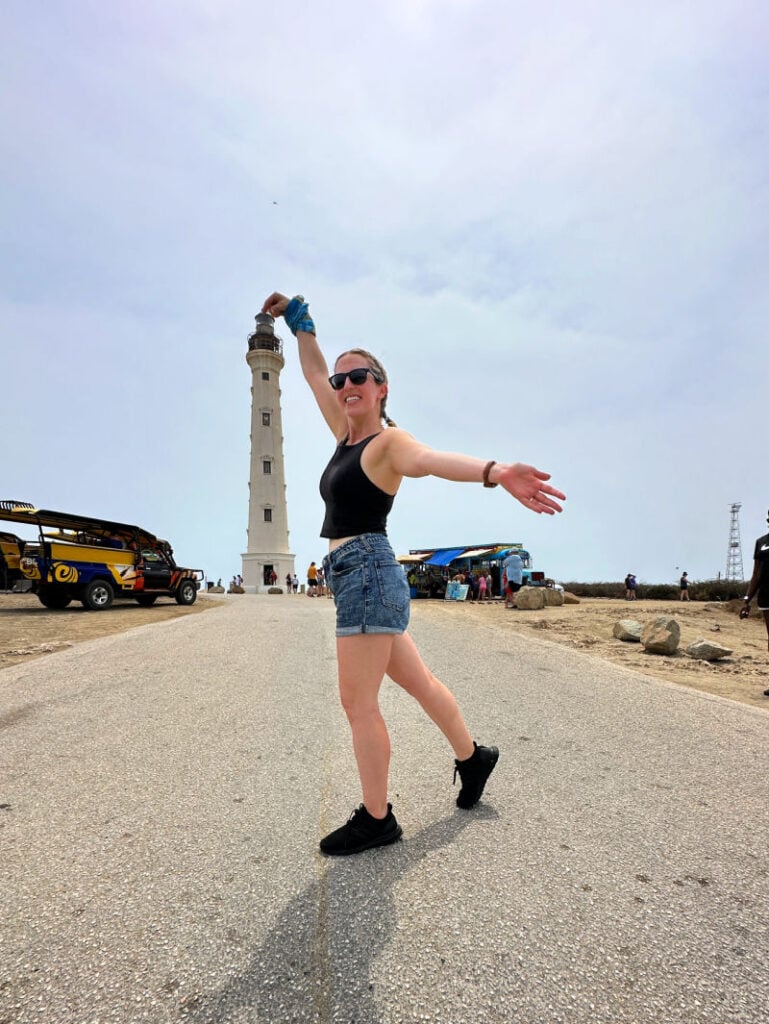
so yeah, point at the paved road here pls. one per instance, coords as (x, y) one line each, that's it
(163, 792)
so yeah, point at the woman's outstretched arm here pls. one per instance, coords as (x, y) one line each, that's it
(406, 456)
(314, 367)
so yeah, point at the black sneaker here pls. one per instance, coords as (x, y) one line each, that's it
(362, 832)
(474, 772)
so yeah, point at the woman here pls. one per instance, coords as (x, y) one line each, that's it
(369, 586)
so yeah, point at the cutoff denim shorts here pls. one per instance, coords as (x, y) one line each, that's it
(370, 589)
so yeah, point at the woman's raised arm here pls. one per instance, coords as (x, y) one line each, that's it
(408, 457)
(313, 364)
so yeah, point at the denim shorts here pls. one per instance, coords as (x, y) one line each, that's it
(370, 589)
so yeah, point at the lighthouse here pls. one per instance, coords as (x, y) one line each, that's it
(267, 544)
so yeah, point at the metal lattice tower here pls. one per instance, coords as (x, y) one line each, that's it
(734, 569)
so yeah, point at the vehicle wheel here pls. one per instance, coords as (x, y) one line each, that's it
(186, 592)
(53, 597)
(146, 600)
(98, 595)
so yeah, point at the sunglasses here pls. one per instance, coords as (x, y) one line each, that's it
(357, 377)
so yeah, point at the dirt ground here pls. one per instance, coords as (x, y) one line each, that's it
(589, 626)
(28, 630)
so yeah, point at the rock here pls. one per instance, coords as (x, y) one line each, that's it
(530, 598)
(553, 598)
(234, 589)
(661, 636)
(215, 590)
(707, 650)
(275, 590)
(629, 630)
(570, 598)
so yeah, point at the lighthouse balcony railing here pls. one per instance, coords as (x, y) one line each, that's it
(265, 342)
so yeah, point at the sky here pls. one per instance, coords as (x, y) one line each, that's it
(550, 222)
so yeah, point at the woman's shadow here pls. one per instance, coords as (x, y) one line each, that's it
(315, 963)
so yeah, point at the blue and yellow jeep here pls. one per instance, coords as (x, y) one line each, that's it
(94, 560)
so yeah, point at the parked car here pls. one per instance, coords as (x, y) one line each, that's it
(95, 560)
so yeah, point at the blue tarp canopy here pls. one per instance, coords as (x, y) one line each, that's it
(444, 556)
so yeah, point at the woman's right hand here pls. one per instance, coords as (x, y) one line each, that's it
(275, 305)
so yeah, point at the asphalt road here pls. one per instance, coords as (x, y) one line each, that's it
(162, 793)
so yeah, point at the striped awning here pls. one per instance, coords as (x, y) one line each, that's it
(476, 552)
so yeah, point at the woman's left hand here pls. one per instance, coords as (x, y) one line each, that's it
(527, 484)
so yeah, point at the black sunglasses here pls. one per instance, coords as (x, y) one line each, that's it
(357, 377)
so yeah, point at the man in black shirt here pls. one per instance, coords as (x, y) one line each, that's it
(759, 583)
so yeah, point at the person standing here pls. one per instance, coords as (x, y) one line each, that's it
(312, 579)
(513, 568)
(759, 583)
(371, 593)
(684, 585)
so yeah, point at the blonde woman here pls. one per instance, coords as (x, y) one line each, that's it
(370, 589)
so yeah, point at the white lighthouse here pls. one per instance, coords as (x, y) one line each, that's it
(267, 545)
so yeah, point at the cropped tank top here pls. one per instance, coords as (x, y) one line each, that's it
(353, 503)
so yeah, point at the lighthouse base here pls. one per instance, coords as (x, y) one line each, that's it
(259, 567)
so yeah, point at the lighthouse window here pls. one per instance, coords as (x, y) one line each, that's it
(268, 515)
(265, 375)
(265, 419)
(267, 467)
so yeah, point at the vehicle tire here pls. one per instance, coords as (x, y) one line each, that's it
(98, 595)
(53, 597)
(186, 592)
(146, 600)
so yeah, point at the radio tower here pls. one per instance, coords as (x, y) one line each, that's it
(734, 557)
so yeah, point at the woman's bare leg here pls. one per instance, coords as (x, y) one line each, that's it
(407, 669)
(362, 662)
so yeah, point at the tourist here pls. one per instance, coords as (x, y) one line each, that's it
(513, 570)
(683, 584)
(312, 579)
(370, 588)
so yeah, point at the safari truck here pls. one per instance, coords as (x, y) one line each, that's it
(94, 560)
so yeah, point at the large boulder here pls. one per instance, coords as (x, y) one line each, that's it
(530, 598)
(553, 598)
(629, 630)
(707, 650)
(569, 598)
(661, 636)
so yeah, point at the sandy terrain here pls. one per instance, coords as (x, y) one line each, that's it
(588, 626)
(28, 630)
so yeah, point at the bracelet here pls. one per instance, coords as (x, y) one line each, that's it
(486, 471)
(297, 316)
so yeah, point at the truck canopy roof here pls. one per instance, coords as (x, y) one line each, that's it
(23, 512)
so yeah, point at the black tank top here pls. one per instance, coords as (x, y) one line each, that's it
(353, 503)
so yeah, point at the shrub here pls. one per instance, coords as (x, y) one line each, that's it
(704, 590)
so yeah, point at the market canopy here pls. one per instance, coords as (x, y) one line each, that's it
(444, 556)
(477, 552)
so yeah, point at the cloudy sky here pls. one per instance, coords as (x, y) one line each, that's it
(549, 220)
